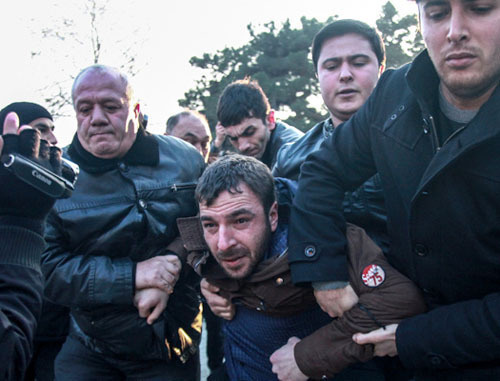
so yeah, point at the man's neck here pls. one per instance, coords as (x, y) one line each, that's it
(467, 103)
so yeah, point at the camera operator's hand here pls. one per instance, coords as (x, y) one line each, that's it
(17, 198)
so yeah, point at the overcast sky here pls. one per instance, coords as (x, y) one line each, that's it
(163, 34)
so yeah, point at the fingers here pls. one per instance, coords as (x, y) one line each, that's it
(159, 308)
(150, 303)
(377, 336)
(55, 159)
(204, 284)
(11, 123)
(161, 272)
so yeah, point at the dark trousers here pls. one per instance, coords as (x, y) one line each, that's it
(215, 338)
(77, 362)
(41, 367)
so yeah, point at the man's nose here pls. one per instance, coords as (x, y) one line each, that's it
(52, 138)
(458, 29)
(226, 239)
(345, 72)
(98, 117)
(243, 145)
(199, 147)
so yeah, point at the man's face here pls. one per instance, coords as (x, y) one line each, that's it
(348, 71)
(194, 131)
(237, 230)
(463, 40)
(46, 128)
(251, 136)
(106, 121)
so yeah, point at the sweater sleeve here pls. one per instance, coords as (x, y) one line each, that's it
(20, 297)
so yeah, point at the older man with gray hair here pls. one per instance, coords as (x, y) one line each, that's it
(112, 254)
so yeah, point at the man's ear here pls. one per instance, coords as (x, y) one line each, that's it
(381, 69)
(271, 121)
(273, 216)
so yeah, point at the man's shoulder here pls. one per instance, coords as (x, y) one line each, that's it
(287, 133)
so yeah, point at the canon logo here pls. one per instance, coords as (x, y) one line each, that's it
(41, 177)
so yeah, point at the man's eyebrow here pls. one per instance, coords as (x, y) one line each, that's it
(189, 134)
(431, 3)
(247, 128)
(239, 212)
(331, 59)
(42, 125)
(206, 218)
(359, 55)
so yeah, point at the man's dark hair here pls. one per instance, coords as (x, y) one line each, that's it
(240, 100)
(228, 172)
(342, 27)
(174, 119)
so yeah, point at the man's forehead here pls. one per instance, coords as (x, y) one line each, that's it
(191, 125)
(228, 204)
(239, 129)
(100, 81)
(342, 46)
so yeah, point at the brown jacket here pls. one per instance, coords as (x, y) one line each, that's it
(268, 289)
(385, 297)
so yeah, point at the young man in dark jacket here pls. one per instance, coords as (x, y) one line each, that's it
(430, 129)
(107, 256)
(348, 58)
(247, 121)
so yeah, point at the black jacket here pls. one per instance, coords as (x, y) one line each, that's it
(21, 288)
(122, 212)
(282, 134)
(364, 207)
(442, 205)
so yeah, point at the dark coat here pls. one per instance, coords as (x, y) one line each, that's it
(122, 212)
(282, 134)
(442, 205)
(21, 289)
(365, 207)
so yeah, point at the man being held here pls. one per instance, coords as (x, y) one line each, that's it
(107, 256)
(248, 122)
(248, 264)
(192, 127)
(430, 129)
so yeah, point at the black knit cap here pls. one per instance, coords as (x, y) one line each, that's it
(26, 111)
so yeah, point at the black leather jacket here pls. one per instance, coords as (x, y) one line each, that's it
(364, 207)
(282, 134)
(122, 212)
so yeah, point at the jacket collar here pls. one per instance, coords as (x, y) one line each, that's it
(424, 81)
(144, 151)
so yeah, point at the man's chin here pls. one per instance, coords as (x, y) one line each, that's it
(237, 273)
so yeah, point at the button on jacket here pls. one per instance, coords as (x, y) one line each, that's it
(442, 205)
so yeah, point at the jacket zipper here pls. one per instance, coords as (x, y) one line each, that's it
(179, 187)
(435, 138)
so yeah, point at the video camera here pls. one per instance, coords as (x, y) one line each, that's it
(41, 178)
